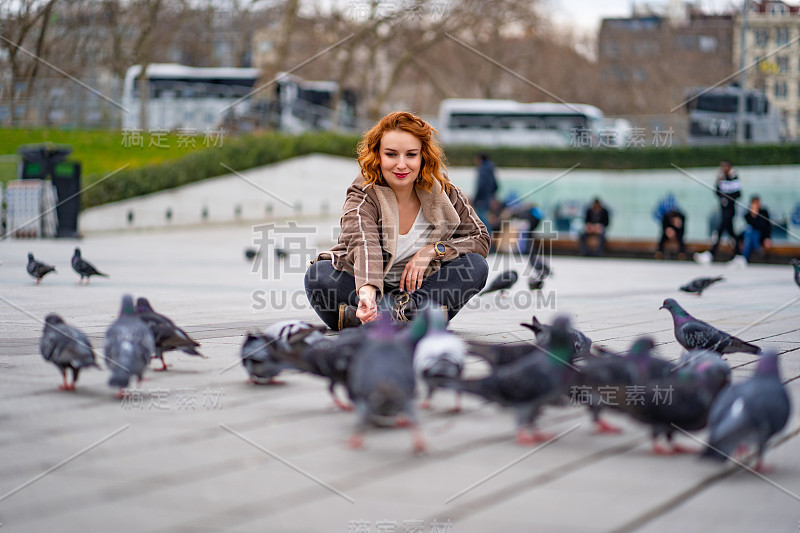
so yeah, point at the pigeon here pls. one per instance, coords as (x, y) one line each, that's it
(529, 383)
(327, 357)
(251, 253)
(698, 285)
(681, 401)
(605, 381)
(708, 363)
(259, 359)
(84, 268)
(542, 331)
(439, 355)
(502, 282)
(280, 253)
(129, 346)
(749, 413)
(539, 273)
(66, 347)
(38, 269)
(166, 334)
(497, 355)
(694, 334)
(381, 382)
(796, 265)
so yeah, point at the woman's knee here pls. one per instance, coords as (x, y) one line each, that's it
(479, 266)
(316, 275)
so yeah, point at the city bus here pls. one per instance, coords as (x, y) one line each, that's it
(713, 117)
(481, 122)
(182, 97)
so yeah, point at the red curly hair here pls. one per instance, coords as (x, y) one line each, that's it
(433, 166)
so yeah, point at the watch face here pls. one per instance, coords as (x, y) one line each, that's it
(440, 248)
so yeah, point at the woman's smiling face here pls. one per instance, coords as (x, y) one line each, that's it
(400, 158)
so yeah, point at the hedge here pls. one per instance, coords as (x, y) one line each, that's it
(249, 151)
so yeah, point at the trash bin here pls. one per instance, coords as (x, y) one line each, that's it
(42, 161)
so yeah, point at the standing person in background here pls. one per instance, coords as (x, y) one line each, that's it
(757, 235)
(728, 189)
(595, 224)
(486, 188)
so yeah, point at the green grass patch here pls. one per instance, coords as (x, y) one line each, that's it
(100, 152)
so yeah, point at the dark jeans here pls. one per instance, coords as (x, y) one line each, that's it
(601, 243)
(453, 285)
(725, 226)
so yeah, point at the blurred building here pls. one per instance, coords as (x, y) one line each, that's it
(771, 43)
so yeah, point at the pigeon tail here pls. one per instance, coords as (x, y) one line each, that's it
(738, 345)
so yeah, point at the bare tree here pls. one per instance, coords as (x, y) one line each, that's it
(24, 25)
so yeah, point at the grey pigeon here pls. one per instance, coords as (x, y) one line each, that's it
(37, 269)
(539, 272)
(129, 346)
(259, 359)
(327, 357)
(166, 334)
(503, 282)
(439, 355)
(796, 265)
(708, 363)
(84, 268)
(680, 401)
(749, 413)
(67, 347)
(694, 334)
(528, 384)
(381, 382)
(542, 331)
(698, 285)
(605, 381)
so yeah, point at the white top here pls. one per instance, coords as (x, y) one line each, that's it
(407, 245)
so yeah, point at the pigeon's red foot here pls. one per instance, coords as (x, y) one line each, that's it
(341, 405)
(419, 445)
(526, 438)
(679, 448)
(658, 449)
(605, 428)
(455, 410)
(402, 421)
(426, 404)
(763, 469)
(356, 441)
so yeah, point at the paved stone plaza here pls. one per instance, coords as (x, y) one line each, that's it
(202, 450)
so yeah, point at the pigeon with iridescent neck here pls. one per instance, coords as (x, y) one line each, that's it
(694, 334)
(530, 383)
(749, 413)
(166, 334)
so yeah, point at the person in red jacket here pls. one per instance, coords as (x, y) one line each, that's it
(409, 237)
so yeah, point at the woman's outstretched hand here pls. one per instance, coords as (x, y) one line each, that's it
(367, 306)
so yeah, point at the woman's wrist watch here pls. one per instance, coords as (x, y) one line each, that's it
(439, 248)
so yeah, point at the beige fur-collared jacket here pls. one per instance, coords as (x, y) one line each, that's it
(370, 221)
